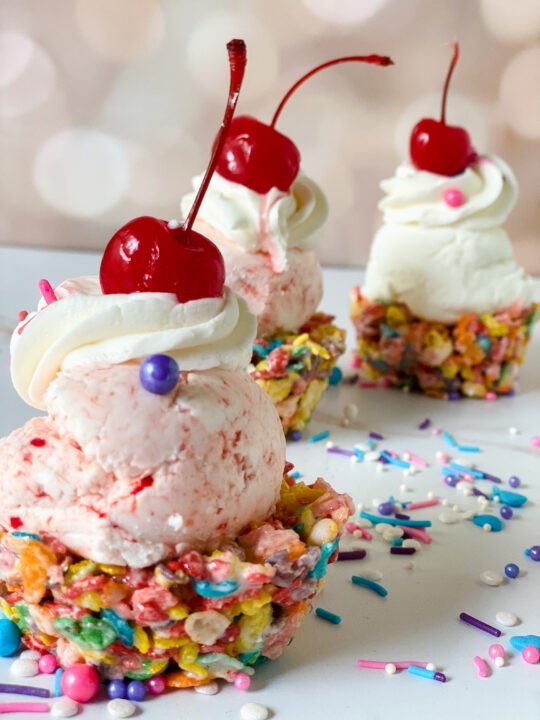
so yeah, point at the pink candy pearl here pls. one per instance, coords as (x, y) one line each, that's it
(80, 682)
(47, 664)
(496, 651)
(156, 684)
(242, 681)
(531, 654)
(453, 197)
(535, 441)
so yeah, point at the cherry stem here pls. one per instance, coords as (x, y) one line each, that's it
(372, 59)
(455, 56)
(237, 66)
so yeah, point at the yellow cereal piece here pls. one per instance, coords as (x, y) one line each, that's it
(252, 629)
(99, 656)
(310, 398)
(178, 612)
(319, 350)
(301, 340)
(253, 605)
(166, 643)
(80, 569)
(278, 388)
(10, 611)
(141, 640)
(112, 569)
(449, 369)
(307, 518)
(187, 660)
(496, 328)
(90, 600)
(47, 639)
(395, 316)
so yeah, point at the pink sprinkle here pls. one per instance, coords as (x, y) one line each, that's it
(422, 504)
(417, 534)
(491, 396)
(481, 666)
(368, 385)
(496, 650)
(444, 458)
(16, 707)
(47, 291)
(352, 527)
(381, 665)
(453, 197)
(436, 431)
(418, 461)
(535, 441)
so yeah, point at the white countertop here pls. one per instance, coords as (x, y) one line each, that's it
(317, 677)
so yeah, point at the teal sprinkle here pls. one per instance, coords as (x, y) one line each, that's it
(274, 344)
(122, 627)
(495, 523)
(396, 542)
(328, 616)
(215, 590)
(57, 683)
(250, 658)
(298, 527)
(319, 436)
(261, 350)
(370, 584)
(507, 497)
(327, 550)
(395, 521)
(484, 342)
(519, 642)
(30, 536)
(388, 332)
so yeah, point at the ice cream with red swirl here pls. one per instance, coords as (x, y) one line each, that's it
(445, 307)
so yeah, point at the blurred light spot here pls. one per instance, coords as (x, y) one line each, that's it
(27, 75)
(461, 111)
(207, 56)
(81, 172)
(121, 30)
(512, 21)
(520, 93)
(344, 12)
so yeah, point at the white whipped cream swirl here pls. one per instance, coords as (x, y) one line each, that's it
(86, 328)
(271, 223)
(441, 260)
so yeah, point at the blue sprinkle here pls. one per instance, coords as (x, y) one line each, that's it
(468, 448)
(215, 590)
(449, 439)
(336, 376)
(519, 642)
(327, 615)
(319, 436)
(57, 684)
(327, 550)
(370, 584)
(507, 497)
(395, 521)
(370, 443)
(261, 350)
(396, 542)
(274, 344)
(493, 521)
(463, 468)
(394, 461)
(359, 453)
(30, 536)
(484, 342)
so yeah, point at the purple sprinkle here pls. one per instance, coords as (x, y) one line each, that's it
(454, 395)
(493, 478)
(340, 451)
(424, 424)
(376, 436)
(386, 508)
(24, 690)
(478, 493)
(384, 460)
(398, 550)
(480, 624)
(401, 516)
(352, 555)
(440, 677)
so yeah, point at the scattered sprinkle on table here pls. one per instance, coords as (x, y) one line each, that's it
(480, 624)
(328, 616)
(481, 666)
(319, 436)
(491, 577)
(425, 673)
(24, 690)
(120, 708)
(211, 688)
(508, 619)
(21, 707)
(366, 582)
(254, 711)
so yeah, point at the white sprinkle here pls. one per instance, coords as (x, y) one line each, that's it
(410, 542)
(390, 668)
(350, 411)
(358, 534)
(121, 708)
(430, 495)
(439, 454)
(24, 667)
(371, 456)
(330, 444)
(173, 224)
(403, 488)
(456, 508)
(211, 688)
(392, 532)
(445, 502)
(499, 661)
(381, 527)
(254, 711)
(409, 565)
(412, 470)
(345, 422)
(506, 618)
(354, 459)
(30, 654)
(431, 667)
(486, 528)
(64, 707)
(514, 431)
(468, 514)
(373, 575)
(448, 518)
(496, 499)
(364, 522)
(491, 577)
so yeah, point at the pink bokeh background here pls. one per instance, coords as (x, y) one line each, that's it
(109, 107)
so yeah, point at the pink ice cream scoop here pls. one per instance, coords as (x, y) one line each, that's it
(124, 476)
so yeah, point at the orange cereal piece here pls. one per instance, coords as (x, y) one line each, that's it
(34, 562)
(180, 679)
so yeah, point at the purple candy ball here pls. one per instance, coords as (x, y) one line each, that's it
(506, 512)
(296, 435)
(136, 690)
(451, 480)
(159, 374)
(511, 570)
(116, 689)
(386, 508)
(534, 553)
(514, 481)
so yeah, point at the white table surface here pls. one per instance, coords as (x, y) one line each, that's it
(317, 677)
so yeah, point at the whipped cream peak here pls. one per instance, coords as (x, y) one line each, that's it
(272, 223)
(488, 186)
(85, 328)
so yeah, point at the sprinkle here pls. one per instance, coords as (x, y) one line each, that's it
(424, 672)
(464, 469)
(254, 711)
(121, 708)
(496, 650)
(535, 441)
(394, 521)
(395, 550)
(376, 436)
(319, 436)
(46, 290)
(327, 615)
(381, 665)
(370, 584)
(57, 684)
(24, 667)
(24, 690)
(22, 315)
(340, 451)
(423, 504)
(418, 534)
(424, 424)
(514, 430)
(469, 448)
(480, 624)
(481, 666)
(352, 555)
(295, 474)
(490, 396)
(390, 668)
(418, 461)
(389, 457)
(211, 688)
(519, 642)
(448, 439)
(17, 707)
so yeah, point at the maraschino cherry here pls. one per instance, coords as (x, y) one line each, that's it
(152, 255)
(438, 147)
(257, 155)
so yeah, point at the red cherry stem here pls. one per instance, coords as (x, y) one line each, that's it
(455, 56)
(372, 59)
(237, 66)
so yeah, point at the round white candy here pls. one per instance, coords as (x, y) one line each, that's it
(448, 518)
(390, 668)
(371, 456)
(499, 661)
(30, 654)
(24, 667)
(350, 411)
(506, 618)
(491, 577)
(64, 707)
(211, 688)
(254, 711)
(410, 542)
(121, 708)
(373, 575)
